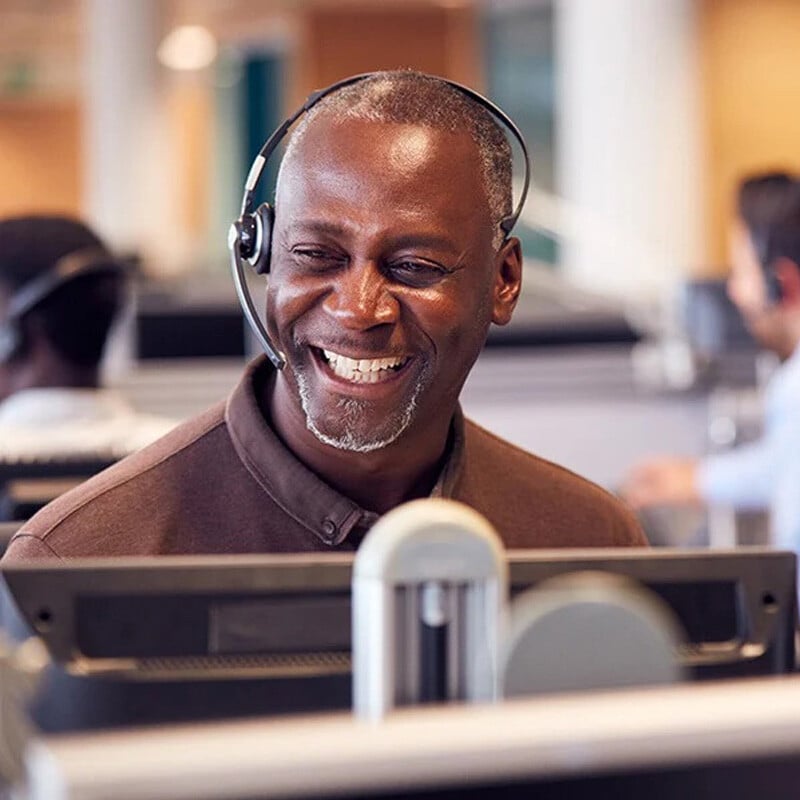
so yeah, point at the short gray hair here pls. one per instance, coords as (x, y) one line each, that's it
(408, 97)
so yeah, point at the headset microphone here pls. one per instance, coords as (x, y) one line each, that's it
(250, 236)
(236, 236)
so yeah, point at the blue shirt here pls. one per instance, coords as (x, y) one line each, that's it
(766, 474)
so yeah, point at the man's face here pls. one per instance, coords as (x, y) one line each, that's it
(383, 280)
(747, 289)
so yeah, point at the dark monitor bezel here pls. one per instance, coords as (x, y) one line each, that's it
(765, 582)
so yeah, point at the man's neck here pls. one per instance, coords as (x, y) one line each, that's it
(375, 482)
(378, 481)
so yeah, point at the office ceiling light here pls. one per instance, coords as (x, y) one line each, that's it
(188, 47)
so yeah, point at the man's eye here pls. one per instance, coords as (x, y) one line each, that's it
(317, 258)
(417, 273)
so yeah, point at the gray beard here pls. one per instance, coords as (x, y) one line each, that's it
(349, 413)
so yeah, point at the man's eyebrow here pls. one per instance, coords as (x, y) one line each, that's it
(317, 226)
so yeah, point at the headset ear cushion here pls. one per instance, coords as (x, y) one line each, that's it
(260, 259)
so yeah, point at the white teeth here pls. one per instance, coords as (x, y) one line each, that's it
(360, 370)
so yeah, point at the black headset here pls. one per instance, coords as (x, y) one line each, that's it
(763, 247)
(765, 239)
(71, 267)
(250, 236)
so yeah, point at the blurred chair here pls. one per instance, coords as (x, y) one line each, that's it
(7, 530)
(27, 486)
(735, 417)
(734, 362)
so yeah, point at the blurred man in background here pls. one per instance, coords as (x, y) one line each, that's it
(765, 286)
(60, 293)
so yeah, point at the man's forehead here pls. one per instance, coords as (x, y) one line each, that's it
(366, 170)
(403, 145)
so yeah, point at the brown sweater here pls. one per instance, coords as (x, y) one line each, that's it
(224, 483)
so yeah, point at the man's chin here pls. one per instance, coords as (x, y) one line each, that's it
(357, 427)
(350, 441)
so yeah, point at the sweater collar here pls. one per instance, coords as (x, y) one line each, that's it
(296, 489)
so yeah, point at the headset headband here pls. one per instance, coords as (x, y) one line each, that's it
(74, 265)
(79, 263)
(279, 134)
(247, 235)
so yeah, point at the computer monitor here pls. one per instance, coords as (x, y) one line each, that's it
(712, 322)
(175, 638)
(145, 640)
(738, 608)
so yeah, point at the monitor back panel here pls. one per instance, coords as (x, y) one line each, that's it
(179, 638)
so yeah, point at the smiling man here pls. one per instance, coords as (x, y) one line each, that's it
(388, 266)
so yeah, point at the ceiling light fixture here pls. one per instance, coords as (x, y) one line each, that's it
(188, 47)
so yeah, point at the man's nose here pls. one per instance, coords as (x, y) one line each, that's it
(361, 297)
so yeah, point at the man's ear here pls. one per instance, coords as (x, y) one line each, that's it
(788, 274)
(507, 281)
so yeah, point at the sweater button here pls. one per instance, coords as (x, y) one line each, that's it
(329, 528)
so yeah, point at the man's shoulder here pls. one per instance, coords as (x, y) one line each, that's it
(114, 511)
(521, 465)
(540, 503)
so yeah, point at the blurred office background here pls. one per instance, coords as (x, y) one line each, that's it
(641, 115)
